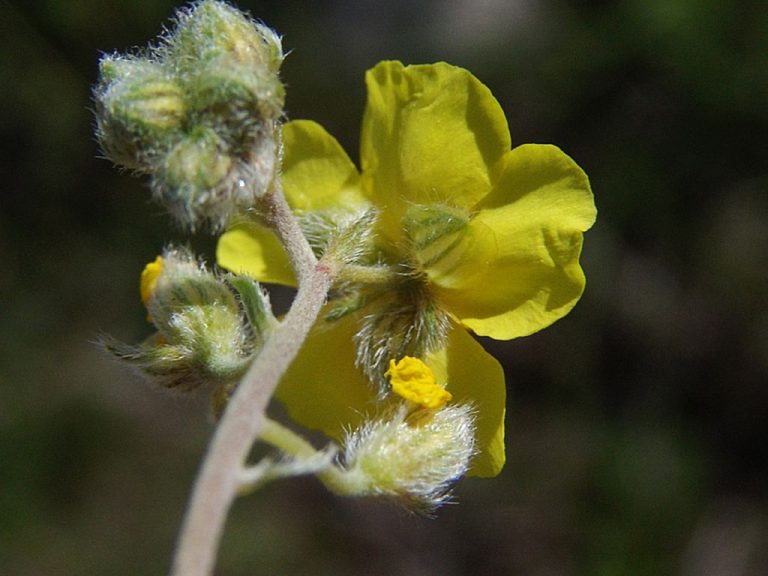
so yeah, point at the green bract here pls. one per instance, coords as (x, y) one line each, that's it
(478, 236)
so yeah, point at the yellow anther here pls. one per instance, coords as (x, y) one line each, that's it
(413, 380)
(149, 277)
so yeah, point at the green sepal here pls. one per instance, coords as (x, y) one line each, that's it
(256, 305)
(401, 319)
(433, 230)
(346, 304)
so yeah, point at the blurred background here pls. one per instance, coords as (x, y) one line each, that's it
(637, 431)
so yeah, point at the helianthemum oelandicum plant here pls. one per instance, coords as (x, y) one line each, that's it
(465, 233)
(445, 231)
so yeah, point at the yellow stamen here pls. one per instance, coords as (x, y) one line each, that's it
(149, 277)
(415, 381)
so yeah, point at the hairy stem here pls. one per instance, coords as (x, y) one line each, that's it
(277, 213)
(217, 483)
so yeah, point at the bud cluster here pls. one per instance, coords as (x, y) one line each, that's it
(199, 113)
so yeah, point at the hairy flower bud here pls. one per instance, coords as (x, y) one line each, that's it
(411, 458)
(140, 110)
(229, 64)
(207, 328)
(194, 178)
(210, 30)
(239, 101)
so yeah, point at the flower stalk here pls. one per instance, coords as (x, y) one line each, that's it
(218, 481)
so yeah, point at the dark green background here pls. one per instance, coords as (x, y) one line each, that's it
(637, 426)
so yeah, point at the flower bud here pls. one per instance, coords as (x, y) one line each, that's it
(210, 30)
(230, 65)
(195, 179)
(140, 109)
(242, 103)
(410, 458)
(207, 331)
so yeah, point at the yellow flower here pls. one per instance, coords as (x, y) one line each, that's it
(488, 238)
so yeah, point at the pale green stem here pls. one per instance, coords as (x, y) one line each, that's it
(217, 483)
(338, 480)
(288, 441)
(267, 469)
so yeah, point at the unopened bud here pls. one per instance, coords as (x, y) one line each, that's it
(180, 282)
(140, 109)
(207, 330)
(194, 180)
(240, 102)
(229, 64)
(211, 29)
(413, 460)
(200, 112)
(199, 162)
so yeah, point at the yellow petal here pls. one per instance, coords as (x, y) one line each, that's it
(322, 389)
(517, 269)
(317, 173)
(431, 133)
(149, 277)
(249, 248)
(476, 377)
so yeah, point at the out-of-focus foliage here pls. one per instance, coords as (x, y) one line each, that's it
(636, 426)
